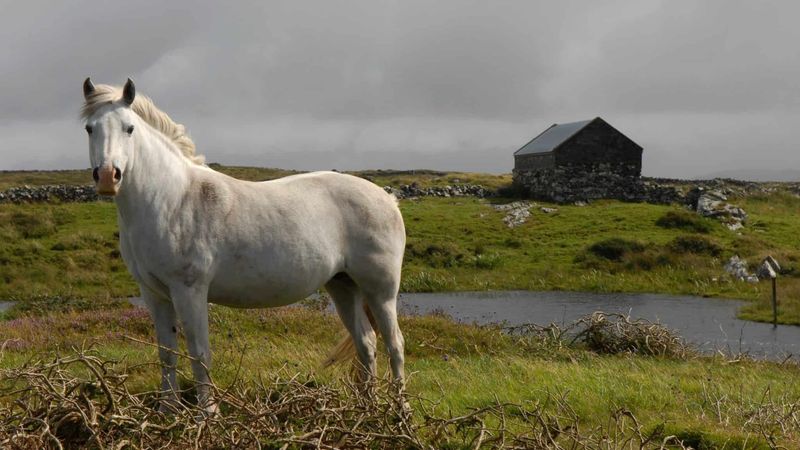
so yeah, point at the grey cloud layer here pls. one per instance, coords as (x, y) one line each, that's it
(446, 84)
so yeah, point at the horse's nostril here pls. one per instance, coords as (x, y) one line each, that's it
(117, 174)
(96, 174)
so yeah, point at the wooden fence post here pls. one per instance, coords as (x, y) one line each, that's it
(774, 302)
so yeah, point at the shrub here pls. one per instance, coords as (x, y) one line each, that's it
(615, 248)
(488, 261)
(684, 220)
(426, 282)
(695, 244)
(648, 260)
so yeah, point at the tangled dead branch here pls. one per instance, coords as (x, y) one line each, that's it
(84, 401)
(612, 334)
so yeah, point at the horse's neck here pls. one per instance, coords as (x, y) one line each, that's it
(157, 180)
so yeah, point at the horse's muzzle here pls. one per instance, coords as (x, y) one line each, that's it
(107, 179)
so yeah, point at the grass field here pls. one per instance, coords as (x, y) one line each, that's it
(724, 404)
(70, 251)
(61, 261)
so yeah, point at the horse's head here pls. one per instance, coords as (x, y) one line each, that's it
(110, 126)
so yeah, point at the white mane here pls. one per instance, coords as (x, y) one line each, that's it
(145, 108)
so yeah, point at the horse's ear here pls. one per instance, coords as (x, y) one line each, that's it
(129, 92)
(88, 87)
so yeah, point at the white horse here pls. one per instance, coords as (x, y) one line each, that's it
(190, 235)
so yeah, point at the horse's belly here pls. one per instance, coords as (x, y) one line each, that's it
(242, 288)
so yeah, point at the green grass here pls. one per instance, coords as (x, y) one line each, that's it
(455, 365)
(70, 250)
(62, 260)
(446, 236)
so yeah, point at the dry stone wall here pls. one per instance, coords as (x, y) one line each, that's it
(581, 183)
(52, 193)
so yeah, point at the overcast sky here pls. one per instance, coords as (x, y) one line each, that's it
(703, 86)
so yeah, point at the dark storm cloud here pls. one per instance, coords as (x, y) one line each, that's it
(446, 84)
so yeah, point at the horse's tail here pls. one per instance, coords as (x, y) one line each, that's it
(346, 348)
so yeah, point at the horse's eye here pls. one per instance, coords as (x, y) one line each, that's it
(89, 129)
(130, 129)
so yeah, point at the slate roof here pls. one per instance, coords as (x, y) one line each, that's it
(552, 137)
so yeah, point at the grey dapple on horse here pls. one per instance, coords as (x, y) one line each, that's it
(190, 235)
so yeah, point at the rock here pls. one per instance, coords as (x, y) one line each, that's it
(734, 226)
(737, 268)
(548, 210)
(714, 204)
(517, 213)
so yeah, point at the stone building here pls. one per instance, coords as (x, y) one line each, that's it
(580, 161)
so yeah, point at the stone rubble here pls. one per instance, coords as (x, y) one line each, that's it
(713, 203)
(517, 213)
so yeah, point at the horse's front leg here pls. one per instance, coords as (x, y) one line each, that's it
(191, 306)
(166, 325)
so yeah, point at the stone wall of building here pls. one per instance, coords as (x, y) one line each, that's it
(600, 143)
(582, 183)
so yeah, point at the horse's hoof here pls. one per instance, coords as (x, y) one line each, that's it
(208, 412)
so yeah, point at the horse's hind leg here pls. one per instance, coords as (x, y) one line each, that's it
(384, 309)
(379, 281)
(349, 305)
